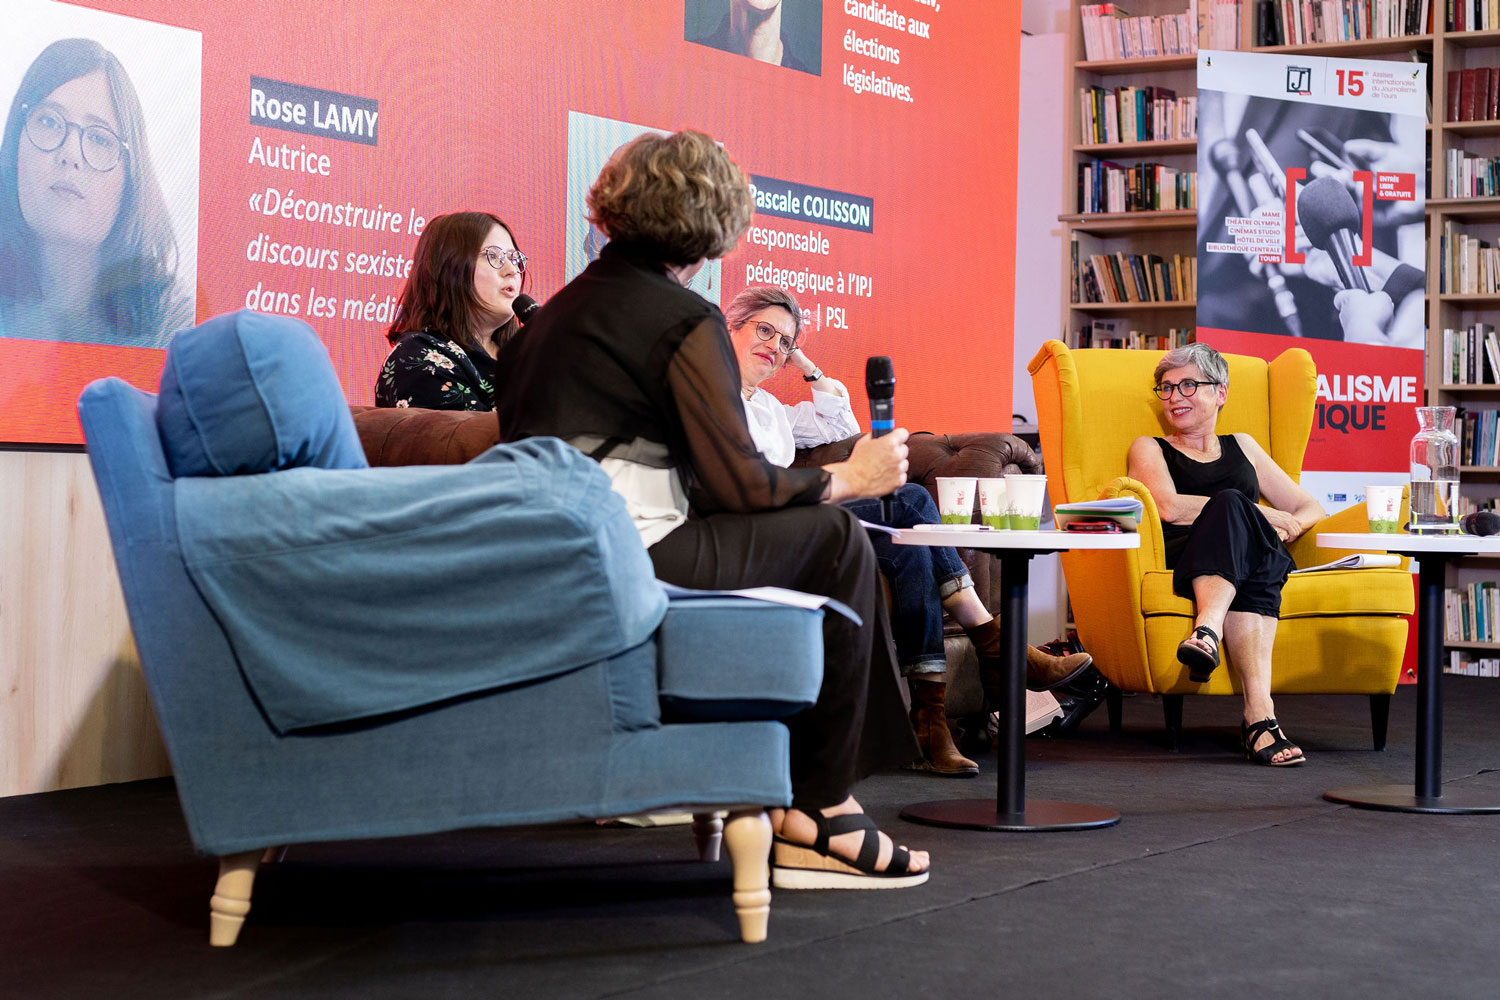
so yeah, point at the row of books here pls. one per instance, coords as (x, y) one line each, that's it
(1471, 666)
(1472, 176)
(1136, 114)
(1104, 186)
(1301, 22)
(1467, 265)
(1111, 33)
(1470, 612)
(1472, 15)
(1111, 278)
(1478, 442)
(1471, 356)
(1113, 333)
(1468, 505)
(1473, 94)
(1220, 24)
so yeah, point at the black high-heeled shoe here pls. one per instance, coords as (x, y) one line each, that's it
(1249, 733)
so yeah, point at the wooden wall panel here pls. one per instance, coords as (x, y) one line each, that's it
(73, 706)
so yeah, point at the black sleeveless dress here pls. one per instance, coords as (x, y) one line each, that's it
(1230, 538)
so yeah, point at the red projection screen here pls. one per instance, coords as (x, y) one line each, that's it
(282, 155)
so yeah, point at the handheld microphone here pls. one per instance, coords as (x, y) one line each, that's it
(525, 307)
(1480, 522)
(1330, 218)
(880, 386)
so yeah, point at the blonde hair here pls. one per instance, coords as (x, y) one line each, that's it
(679, 196)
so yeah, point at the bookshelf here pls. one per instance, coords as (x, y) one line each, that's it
(1445, 51)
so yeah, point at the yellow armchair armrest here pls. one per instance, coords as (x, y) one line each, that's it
(1153, 551)
(1305, 551)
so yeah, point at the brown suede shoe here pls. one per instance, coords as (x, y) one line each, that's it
(929, 718)
(1043, 670)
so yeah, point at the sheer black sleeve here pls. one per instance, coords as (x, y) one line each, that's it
(729, 473)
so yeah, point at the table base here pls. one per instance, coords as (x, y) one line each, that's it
(1041, 815)
(1403, 798)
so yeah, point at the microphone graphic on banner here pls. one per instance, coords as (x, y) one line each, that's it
(880, 386)
(525, 307)
(1330, 218)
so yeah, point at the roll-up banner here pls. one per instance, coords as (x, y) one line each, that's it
(1312, 180)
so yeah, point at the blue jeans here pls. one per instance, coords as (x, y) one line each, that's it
(921, 577)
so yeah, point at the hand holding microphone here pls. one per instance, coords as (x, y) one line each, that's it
(877, 465)
(1330, 218)
(880, 386)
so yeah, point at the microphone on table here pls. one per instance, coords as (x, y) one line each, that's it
(1330, 218)
(524, 308)
(880, 386)
(1480, 522)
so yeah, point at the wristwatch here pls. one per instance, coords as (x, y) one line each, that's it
(817, 373)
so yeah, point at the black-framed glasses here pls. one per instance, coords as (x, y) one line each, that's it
(765, 332)
(47, 130)
(1188, 387)
(498, 257)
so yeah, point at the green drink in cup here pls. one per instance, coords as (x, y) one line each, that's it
(1385, 510)
(1027, 496)
(956, 499)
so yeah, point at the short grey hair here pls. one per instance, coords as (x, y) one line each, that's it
(757, 297)
(1209, 361)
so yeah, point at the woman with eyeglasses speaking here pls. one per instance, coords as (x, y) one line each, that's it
(1226, 551)
(765, 329)
(455, 313)
(87, 252)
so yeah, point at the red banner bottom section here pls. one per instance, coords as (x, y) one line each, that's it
(43, 378)
(1367, 398)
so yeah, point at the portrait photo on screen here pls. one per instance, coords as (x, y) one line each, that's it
(591, 142)
(780, 32)
(98, 176)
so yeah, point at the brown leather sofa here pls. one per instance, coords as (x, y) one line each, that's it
(409, 436)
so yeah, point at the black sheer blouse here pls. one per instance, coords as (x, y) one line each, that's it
(625, 362)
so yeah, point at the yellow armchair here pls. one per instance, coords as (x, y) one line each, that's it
(1341, 631)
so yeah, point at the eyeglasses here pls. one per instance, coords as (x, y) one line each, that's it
(765, 332)
(48, 130)
(1188, 387)
(499, 257)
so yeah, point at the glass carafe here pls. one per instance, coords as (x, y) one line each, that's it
(1434, 471)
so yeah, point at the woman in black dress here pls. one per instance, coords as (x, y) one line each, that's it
(1227, 552)
(634, 369)
(455, 313)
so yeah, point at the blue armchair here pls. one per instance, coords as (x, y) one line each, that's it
(338, 652)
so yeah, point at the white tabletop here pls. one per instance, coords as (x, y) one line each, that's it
(974, 537)
(1450, 544)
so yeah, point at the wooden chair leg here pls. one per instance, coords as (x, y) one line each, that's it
(1171, 707)
(748, 837)
(231, 900)
(1380, 715)
(708, 830)
(1115, 702)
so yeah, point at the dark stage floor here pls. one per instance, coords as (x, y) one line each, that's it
(1222, 880)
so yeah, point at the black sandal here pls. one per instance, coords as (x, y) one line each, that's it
(1266, 754)
(798, 866)
(1200, 664)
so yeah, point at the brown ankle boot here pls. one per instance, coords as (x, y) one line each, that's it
(1044, 671)
(929, 718)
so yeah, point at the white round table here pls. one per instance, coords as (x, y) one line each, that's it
(1010, 811)
(1426, 794)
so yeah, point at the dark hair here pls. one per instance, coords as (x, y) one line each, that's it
(679, 197)
(139, 256)
(439, 293)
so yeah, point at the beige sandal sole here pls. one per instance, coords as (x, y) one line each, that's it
(795, 867)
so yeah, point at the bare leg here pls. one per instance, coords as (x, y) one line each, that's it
(965, 607)
(1212, 596)
(1248, 638)
(794, 825)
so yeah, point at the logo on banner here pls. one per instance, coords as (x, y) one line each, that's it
(1299, 80)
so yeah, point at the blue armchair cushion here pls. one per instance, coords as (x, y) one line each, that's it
(245, 392)
(347, 594)
(781, 678)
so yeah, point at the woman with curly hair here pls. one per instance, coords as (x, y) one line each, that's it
(455, 313)
(635, 370)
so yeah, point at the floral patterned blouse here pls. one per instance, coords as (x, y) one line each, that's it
(430, 371)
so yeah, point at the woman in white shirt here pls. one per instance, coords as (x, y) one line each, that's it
(765, 328)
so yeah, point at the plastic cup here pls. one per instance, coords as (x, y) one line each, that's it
(1027, 496)
(993, 506)
(956, 499)
(1383, 504)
